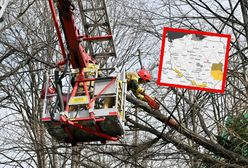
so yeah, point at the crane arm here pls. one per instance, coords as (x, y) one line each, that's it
(97, 36)
(77, 54)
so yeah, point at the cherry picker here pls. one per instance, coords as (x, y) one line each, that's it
(81, 101)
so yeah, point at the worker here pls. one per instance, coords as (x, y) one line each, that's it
(133, 83)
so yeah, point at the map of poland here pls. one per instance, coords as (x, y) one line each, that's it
(194, 60)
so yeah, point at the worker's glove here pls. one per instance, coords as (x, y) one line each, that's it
(152, 102)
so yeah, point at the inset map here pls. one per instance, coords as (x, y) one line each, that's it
(194, 60)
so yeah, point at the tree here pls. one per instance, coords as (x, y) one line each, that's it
(183, 133)
(199, 111)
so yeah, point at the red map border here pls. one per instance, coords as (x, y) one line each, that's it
(228, 36)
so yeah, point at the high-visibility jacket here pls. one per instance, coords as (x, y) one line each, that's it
(133, 85)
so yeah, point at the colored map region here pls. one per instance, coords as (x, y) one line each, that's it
(194, 60)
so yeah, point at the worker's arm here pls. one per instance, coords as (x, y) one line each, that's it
(137, 90)
(139, 93)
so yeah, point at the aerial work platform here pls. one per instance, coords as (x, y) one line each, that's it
(82, 102)
(98, 118)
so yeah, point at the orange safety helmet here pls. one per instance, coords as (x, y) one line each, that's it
(145, 75)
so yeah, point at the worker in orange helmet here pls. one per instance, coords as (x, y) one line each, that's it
(133, 83)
